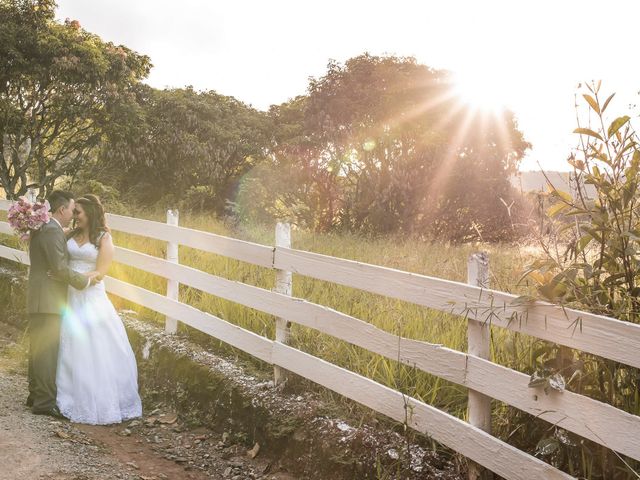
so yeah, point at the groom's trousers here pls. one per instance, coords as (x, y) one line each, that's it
(44, 332)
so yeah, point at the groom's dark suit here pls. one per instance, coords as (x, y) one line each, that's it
(49, 278)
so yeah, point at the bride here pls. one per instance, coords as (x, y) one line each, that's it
(97, 376)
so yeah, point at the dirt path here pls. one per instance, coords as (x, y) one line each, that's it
(37, 447)
(156, 447)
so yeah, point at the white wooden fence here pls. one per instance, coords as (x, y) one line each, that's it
(603, 336)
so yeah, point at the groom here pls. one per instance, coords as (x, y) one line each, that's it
(49, 278)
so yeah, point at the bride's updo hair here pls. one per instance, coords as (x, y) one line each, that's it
(94, 212)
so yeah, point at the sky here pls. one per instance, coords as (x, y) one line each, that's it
(528, 55)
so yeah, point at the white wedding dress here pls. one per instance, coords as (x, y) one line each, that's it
(97, 375)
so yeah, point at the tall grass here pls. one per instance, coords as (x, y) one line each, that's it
(398, 317)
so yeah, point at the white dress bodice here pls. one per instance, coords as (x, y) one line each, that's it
(82, 258)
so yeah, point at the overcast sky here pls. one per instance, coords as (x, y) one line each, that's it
(531, 55)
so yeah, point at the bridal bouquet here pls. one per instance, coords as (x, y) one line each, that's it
(26, 217)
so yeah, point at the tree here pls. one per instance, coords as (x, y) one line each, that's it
(61, 89)
(388, 147)
(303, 186)
(185, 142)
(470, 195)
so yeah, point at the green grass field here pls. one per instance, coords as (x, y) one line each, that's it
(411, 321)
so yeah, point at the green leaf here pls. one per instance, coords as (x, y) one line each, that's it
(594, 233)
(606, 102)
(563, 195)
(602, 157)
(617, 124)
(612, 279)
(552, 291)
(624, 150)
(583, 242)
(589, 132)
(577, 211)
(555, 209)
(592, 103)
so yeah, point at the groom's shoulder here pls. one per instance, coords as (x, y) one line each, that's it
(47, 226)
(50, 229)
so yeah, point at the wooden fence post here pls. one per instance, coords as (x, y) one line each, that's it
(283, 286)
(171, 324)
(479, 339)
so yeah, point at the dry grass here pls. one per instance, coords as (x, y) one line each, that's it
(402, 318)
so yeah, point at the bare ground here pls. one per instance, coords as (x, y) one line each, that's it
(39, 447)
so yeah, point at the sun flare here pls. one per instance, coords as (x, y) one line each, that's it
(480, 92)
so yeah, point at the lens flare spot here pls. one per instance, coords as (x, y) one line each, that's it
(369, 145)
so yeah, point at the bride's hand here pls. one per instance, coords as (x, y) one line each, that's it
(94, 277)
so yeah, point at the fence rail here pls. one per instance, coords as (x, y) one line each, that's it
(607, 337)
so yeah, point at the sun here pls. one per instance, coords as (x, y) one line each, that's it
(480, 92)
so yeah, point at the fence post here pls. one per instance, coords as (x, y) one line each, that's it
(283, 286)
(479, 340)
(171, 324)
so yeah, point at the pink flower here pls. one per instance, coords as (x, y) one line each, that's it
(25, 217)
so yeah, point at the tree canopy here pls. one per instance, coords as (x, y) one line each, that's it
(378, 144)
(382, 144)
(201, 141)
(61, 89)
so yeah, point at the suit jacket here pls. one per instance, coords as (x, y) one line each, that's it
(48, 254)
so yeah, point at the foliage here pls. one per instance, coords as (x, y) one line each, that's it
(109, 196)
(591, 262)
(294, 184)
(61, 89)
(381, 145)
(598, 266)
(378, 145)
(187, 141)
(197, 199)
